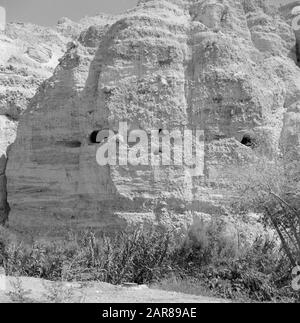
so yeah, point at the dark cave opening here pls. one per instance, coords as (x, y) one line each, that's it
(248, 141)
(94, 137)
(99, 136)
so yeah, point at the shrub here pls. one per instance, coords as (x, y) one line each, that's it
(265, 188)
(205, 244)
(204, 260)
(128, 257)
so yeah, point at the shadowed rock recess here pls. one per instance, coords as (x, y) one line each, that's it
(226, 67)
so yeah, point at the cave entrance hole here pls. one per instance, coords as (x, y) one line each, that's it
(248, 141)
(98, 136)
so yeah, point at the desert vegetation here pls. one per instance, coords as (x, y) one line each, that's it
(269, 188)
(203, 264)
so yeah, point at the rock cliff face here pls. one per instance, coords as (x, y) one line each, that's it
(29, 54)
(226, 67)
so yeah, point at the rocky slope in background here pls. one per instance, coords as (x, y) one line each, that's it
(227, 67)
(30, 53)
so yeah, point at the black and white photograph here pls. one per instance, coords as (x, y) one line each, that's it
(149, 155)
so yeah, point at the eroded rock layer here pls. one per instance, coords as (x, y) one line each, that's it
(226, 67)
(28, 55)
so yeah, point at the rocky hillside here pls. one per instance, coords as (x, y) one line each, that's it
(227, 67)
(29, 56)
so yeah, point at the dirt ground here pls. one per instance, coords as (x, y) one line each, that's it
(25, 289)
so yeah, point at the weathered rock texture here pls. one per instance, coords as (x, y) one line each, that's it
(288, 14)
(28, 55)
(227, 67)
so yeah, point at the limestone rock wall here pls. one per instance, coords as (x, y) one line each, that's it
(227, 67)
(28, 56)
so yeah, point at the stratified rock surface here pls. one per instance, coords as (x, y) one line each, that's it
(29, 54)
(228, 67)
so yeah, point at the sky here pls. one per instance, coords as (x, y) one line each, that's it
(47, 12)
